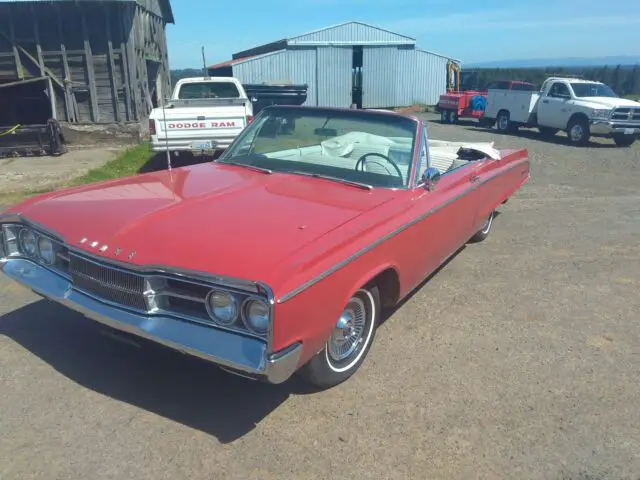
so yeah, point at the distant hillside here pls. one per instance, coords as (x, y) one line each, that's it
(628, 60)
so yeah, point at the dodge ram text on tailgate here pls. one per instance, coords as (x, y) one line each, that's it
(204, 114)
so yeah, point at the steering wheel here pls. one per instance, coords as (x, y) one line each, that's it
(363, 158)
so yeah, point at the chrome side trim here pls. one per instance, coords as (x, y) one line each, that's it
(223, 348)
(368, 248)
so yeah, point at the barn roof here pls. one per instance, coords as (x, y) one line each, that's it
(165, 5)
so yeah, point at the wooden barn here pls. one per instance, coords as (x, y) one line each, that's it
(82, 61)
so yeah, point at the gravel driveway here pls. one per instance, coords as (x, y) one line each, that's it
(520, 359)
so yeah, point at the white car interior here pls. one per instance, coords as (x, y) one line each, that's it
(344, 151)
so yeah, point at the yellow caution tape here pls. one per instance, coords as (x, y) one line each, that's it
(11, 130)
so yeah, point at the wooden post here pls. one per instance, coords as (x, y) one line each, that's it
(71, 113)
(36, 37)
(91, 76)
(124, 61)
(112, 67)
(16, 53)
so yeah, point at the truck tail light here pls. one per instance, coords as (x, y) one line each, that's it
(249, 119)
(152, 127)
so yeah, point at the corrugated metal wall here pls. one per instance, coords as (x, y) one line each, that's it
(334, 76)
(393, 75)
(429, 76)
(379, 73)
(353, 33)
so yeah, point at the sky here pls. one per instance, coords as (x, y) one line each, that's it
(469, 30)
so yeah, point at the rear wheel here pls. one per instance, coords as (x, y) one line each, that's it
(504, 122)
(444, 116)
(349, 343)
(453, 117)
(485, 230)
(578, 132)
(624, 140)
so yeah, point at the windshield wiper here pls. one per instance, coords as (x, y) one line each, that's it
(329, 177)
(251, 167)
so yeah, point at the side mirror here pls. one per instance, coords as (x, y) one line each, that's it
(430, 178)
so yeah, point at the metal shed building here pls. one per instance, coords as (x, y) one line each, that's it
(351, 63)
(82, 61)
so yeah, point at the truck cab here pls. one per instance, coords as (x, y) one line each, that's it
(585, 108)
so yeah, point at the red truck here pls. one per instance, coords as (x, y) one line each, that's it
(472, 103)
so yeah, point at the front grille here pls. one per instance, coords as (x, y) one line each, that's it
(622, 114)
(108, 283)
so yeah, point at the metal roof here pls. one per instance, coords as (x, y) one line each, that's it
(349, 33)
(165, 5)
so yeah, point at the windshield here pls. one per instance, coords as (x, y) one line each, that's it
(592, 90)
(359, 146)
(190, 91)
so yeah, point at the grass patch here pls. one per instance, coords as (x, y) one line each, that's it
(126, 164)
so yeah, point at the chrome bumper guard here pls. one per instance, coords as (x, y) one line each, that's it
(605, 127)
(160, 144)
(236, 353)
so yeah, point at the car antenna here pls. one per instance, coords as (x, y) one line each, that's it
(204, 64)
(166, 134)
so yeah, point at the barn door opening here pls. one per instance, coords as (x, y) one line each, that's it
(356, 93)
(152, 76)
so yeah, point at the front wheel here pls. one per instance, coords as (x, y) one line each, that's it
(349, 343)
(578, 132)
(624, 140)
(504, 123)
(444, 116)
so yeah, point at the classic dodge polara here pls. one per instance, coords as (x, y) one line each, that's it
(279, 256)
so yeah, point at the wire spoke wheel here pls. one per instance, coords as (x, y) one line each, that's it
(348, 334)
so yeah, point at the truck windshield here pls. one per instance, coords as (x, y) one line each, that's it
(356, 146)
(190, 91)
(592, 90)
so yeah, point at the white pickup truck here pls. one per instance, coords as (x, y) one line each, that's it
(204, 114)
(582, 108)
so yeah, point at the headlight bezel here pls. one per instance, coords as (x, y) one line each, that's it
(246, 305)
(13, 246)
(601, 113)
(211, 309)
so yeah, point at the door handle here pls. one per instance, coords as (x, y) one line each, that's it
(474, 178)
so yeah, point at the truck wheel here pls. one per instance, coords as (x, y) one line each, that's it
(349, 342)
(548, 131)
(453, 117)
(624, 140)
(444, 116)
(578, 132)
(504, 122)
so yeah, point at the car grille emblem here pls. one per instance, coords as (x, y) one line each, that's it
(104, 248)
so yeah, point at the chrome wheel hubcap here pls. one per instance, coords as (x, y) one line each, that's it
(348, 334)
(577, 133)
(503, 122)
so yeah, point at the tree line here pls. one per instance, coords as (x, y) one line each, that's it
(624, 80)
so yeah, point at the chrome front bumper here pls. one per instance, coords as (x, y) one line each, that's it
(160, 144)
(237, 353)
(607, 128)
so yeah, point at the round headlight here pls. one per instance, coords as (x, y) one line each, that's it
(45, 250)
(28, 241)
(222, 307)
(256, 315)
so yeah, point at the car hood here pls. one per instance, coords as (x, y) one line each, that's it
(213, 218)
(610, 102)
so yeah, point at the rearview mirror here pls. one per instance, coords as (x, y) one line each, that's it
(430, 178)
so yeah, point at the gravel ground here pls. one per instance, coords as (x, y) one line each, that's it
(519, 359)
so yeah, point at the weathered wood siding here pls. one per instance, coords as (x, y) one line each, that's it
(96, 54)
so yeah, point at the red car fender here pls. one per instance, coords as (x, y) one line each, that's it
(370, 275)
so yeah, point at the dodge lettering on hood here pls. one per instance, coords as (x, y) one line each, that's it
(279, 256)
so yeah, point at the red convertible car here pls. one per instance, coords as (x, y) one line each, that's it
(279, 256)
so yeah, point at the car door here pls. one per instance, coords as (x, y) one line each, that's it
(443, 216)
(553, 110)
